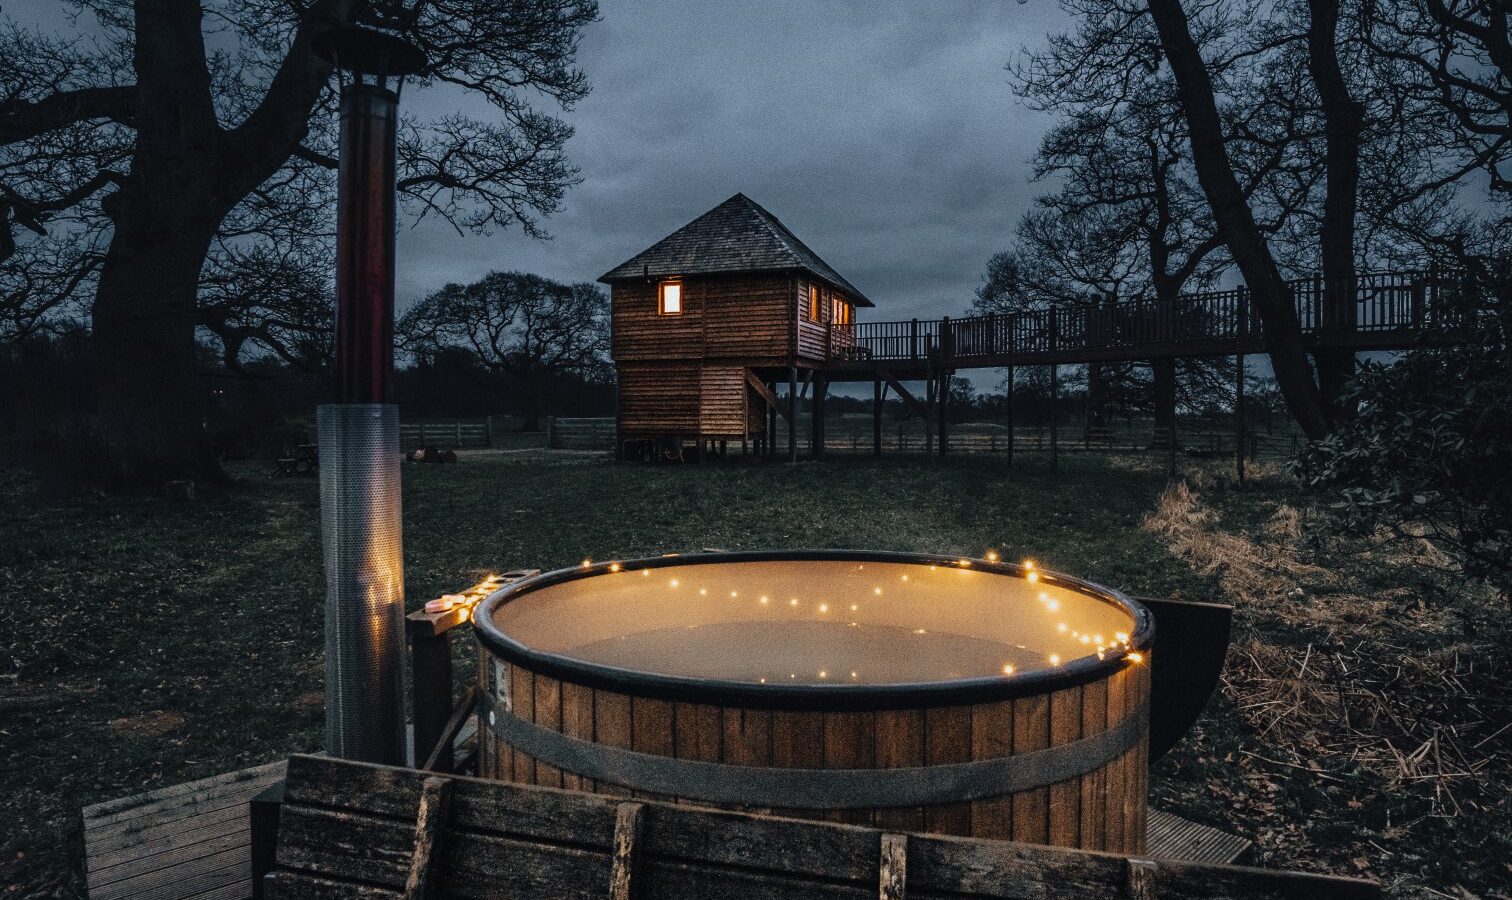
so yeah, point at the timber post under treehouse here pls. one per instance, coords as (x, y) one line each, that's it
(711, 320)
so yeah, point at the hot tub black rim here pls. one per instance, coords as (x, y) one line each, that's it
(811, 697)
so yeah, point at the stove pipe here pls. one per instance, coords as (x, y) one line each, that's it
(359, 434)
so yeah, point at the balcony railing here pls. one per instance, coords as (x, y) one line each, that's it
(1385, 302)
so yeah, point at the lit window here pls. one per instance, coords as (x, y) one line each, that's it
(671, 298)
(842, 312)
(813, 303)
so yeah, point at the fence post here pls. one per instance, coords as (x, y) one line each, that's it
(488, 431)
(551, 435)
(913, 351)
(458, 441)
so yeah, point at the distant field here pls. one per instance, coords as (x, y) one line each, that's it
(144, 643)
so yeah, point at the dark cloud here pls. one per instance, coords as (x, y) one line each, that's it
(885, 135)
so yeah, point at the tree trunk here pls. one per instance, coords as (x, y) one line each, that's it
(1247, 244)
(165, 217)
(150, 404)
(1344, 120)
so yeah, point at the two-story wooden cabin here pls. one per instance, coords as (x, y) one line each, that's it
(710, 316)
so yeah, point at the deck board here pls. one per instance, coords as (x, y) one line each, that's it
(191, 841)
(185, 842)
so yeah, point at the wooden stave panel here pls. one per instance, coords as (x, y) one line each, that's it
(722, 400)
(658, 399)
(899, 738)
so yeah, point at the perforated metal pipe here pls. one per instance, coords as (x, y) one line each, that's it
(364, 565)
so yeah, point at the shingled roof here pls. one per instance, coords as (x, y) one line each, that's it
(735, 236)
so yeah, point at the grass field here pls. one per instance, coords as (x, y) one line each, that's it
(144, 642)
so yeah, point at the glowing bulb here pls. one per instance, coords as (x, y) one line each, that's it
(793, 602)
(1054, 660)
(1053, 605)
(1121, 637)
(855, 606)
(1007, 670)
(646, 572)
(877, 591)
(703, 592)
(823, 674)
(919, 631)
(1028, 563)
(905, 577)
(853, 674)
(964, 563)
(614, 567)
(734, 594)
(765, 600)
(673, 582)
(1061, 628)
(1085, 639)
(1135, 657)
(824, 607)
(762, 680)
(992, 556)
(1098, 638)
(1033, 576)
(1044, 597)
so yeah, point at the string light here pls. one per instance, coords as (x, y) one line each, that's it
(1054, 660)
(793, 602)
(855, 606)
(1008, 670)
(587, 563)
(877, 591)
(992, 556)
(1135, 657)
(673, 582)
(614, 567)
(646, 572)
(764, 600)
(824, 607)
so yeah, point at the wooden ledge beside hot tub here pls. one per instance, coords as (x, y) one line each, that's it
(356, 830)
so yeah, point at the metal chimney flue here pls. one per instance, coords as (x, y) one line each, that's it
(359, 434)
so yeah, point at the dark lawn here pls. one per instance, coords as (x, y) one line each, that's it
(144, 642)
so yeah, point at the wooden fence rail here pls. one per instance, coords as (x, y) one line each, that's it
(580, 434)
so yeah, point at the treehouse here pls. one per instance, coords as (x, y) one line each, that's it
(709, 319)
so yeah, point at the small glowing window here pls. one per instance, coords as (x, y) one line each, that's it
(671, 298)
(842, 312)
(813, 303)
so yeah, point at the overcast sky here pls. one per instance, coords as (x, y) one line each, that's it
(884, 134)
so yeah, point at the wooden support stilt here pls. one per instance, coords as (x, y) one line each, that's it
(1239, 416)
(792, 414)
(893, 871)
(1010, 417)
(877, 390)
(929, 416)
(771, 440)
(1054, 418)
(816, 425)
(629, 823)
(942, 410)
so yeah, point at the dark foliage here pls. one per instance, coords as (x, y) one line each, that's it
(1427, 455)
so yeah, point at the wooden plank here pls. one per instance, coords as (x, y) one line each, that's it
(175, 796)
(152, 856)
(547, 713)
(947, 739)
(361, 834)
(797, 743)
(652, 726)
(992, 736)
(848, 744)
(629, 822)
(192, 874)
(1094, 712)
(1031, 731)
(899, 743)
(1172, 837)
(577, 721)
(892, 874)
(1114, 826)
(1065, 796)
(430, 818)
(612, 727)
(522, 704)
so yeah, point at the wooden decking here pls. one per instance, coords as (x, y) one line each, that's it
(187, 841)
(192, 841)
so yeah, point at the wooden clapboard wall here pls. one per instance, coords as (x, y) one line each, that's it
(1102, 810)
(684, 374)
(351, 830)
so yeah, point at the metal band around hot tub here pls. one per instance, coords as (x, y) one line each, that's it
(814, 788)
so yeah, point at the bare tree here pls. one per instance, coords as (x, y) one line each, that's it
(185, 122)
(522, 326)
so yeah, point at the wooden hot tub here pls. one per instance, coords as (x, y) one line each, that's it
(912, 692)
